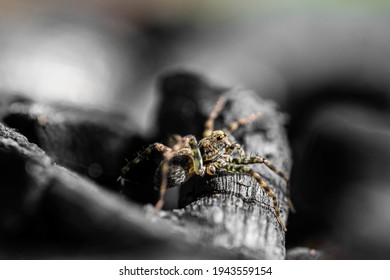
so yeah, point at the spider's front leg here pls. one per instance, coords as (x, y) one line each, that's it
(141, 157)
(234, 125)
(242, 169)
(209, 125)
(235, 146)
(258, 159)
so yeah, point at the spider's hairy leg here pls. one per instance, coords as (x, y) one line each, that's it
(173, 139)
(209, 125)
(235, 168)
(141, 157)
(186, 145)
(164, 182)
(259, 159)
(236, 146)
(234, 125)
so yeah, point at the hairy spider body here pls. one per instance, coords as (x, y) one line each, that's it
(215, 151)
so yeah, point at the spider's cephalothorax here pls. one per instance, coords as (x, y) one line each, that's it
(215, 145)
(215, 151)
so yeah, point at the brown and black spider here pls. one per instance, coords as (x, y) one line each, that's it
(215, 151)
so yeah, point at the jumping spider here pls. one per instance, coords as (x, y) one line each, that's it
(215, 151)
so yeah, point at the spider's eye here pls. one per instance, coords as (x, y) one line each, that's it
(220, 137)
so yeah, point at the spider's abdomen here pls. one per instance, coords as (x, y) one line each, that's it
(179, 171)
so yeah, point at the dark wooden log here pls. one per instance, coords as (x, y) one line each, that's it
(47, 211)
(90, 141)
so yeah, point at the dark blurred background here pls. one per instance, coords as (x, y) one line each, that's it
(326, 63)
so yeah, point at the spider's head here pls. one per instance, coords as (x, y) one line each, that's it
(219, 136)
(214, 145)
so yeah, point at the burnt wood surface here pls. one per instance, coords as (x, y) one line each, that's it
(49, 211)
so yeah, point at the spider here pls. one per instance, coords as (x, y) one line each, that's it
(215, 151)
